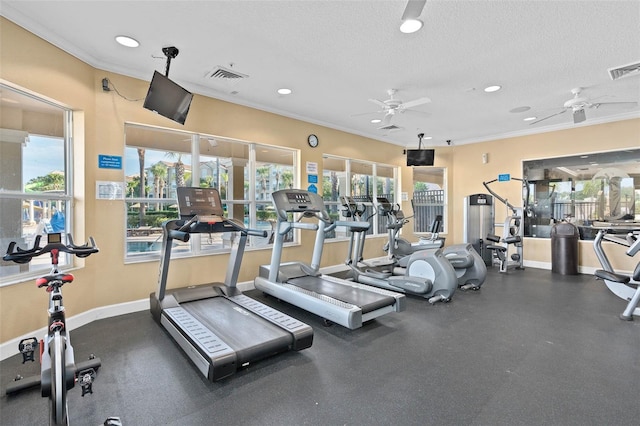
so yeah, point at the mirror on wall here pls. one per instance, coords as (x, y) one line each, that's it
(581, 189)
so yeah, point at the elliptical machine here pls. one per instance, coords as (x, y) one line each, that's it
(508, 249)
(468, 265)
(398, 249)
(427, 273)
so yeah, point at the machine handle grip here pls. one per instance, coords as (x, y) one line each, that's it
(257, 233)
(179, 235)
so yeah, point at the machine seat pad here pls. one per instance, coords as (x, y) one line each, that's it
(366, 300)
(612, 276)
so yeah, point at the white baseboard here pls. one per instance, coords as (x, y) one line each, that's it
(586, 270)
(10, 347)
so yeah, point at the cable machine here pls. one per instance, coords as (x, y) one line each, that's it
(508, 249)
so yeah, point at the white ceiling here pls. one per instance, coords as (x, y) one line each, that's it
(336, 55)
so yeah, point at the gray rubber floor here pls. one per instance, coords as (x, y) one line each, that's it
(529, 348)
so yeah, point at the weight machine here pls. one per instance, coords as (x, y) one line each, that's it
(508, 249)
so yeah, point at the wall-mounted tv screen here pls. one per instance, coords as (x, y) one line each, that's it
(168, 98)
(420, 157)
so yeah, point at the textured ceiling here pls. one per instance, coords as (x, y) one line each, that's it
(336, 55)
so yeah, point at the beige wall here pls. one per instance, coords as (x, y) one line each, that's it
(34, 64)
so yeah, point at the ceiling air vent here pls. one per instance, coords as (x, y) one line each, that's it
(624, 71)
(223, 73)
(389, 127)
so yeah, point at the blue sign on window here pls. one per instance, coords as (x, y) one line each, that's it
(312, 178)
(109, 161)
(504, 177)
(312, 188)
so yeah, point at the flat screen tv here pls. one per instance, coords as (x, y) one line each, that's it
(420, 157)
(168, 98)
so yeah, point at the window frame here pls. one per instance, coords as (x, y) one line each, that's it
(437, 205)
(378, 226)
(249, 166)
(61, 198)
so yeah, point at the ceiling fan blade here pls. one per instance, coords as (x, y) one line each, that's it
(377, 102)
(629, 104)
(413, 9)
(549, 116)
(579, 116)
(415, 102)
(366, 113)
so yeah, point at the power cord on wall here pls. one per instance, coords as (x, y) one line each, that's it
(108, 84)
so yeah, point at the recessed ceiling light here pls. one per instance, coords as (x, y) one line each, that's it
(409, 26)
(127, 41)
(529, 118)
(284, 91)
(492, 89)
(376, 120)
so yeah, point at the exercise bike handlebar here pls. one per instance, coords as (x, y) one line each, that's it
(18, 255)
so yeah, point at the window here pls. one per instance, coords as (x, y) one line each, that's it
(244, 173)
(581, 189)
(428, 198)
(35, 186)
(361, 180)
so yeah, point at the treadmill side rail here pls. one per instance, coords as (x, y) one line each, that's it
(197, 341)
(301, 333)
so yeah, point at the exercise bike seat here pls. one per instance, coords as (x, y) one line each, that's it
(61, 278)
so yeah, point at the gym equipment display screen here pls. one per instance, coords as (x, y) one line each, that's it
(167, 98)
(420, 157)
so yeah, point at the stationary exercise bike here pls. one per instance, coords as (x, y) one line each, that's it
(426, 273)
(59, 372)
(624, 286)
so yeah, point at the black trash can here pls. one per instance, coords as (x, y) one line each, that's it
(564, 248)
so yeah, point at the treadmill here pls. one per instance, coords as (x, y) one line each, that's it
(347, 303)
(218, 327)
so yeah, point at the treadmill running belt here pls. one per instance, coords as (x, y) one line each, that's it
(367, 300)
(249, 335)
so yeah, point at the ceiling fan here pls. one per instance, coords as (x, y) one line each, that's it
(392, 106)
(578, 104)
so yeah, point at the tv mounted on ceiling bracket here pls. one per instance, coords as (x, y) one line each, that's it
(166, 97)
(420, 157)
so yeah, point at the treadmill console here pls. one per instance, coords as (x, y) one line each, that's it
(297, 201)
(201, 202)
